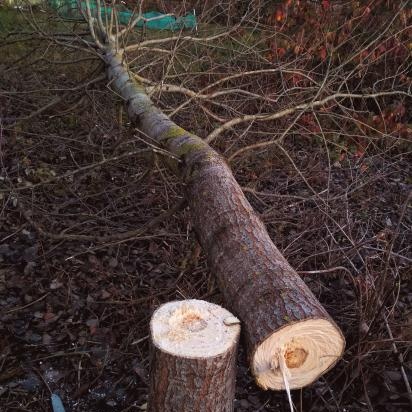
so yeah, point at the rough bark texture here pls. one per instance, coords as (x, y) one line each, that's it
(258, 284)
(192, 385)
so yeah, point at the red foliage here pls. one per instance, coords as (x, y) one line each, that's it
(326, 4)
(323, 53)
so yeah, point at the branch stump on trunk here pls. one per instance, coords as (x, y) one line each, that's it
(193, 365)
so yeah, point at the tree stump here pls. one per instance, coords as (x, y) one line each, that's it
(193, 362)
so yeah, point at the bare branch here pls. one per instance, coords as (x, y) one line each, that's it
(304, 106)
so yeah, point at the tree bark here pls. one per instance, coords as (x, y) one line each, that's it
(290, 337)
(193, 367)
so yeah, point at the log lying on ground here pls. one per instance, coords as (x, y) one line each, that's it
(193, 367)
(289, 334)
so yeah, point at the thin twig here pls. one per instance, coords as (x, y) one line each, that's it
(401, 361)
(124, 236)
(28, 305)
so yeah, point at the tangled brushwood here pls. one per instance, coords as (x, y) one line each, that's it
(105, 214)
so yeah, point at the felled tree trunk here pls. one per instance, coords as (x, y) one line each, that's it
(290, 337)
(193, 358)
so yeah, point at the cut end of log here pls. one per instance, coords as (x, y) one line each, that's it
(193, 329)
(298, 353)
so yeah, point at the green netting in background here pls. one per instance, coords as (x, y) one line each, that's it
(70, 9)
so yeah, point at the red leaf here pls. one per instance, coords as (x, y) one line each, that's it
(364, 167)
(399, 110)
(296, 78)
(92, 324)
(325, 4)
(382, 49)
(281, 52)
(48, 316)
(360, 152)
(279, 15)
(364, 54)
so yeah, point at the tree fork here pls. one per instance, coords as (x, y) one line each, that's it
(291, 339)
(193, 360)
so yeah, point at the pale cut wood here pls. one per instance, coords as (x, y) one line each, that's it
(297, 354)
(194, 346)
